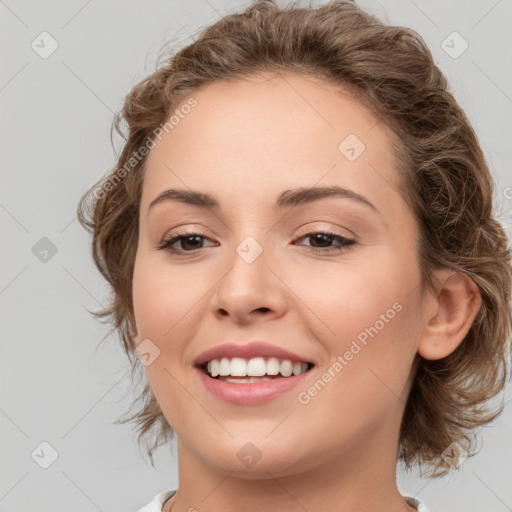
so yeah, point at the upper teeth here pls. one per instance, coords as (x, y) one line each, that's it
(256, 367)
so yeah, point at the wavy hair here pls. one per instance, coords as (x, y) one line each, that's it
(444, 179)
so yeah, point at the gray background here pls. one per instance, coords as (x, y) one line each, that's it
(55, 141)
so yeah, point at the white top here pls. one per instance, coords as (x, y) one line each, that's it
(155, 505)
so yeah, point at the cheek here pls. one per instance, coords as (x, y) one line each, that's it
(161, 297)
(369, 364)
(352, 295)
(366, 314)
(162, 306)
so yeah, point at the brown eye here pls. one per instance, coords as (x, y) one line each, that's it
(321, 241)
(189, 242)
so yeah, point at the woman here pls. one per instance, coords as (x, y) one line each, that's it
(303, 256)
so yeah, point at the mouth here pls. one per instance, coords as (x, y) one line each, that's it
(258, 369)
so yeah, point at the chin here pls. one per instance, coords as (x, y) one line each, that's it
(251, 463)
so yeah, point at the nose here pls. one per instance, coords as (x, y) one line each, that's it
(250, 290)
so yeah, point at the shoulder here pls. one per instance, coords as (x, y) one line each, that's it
(155, 505)
(416, 503)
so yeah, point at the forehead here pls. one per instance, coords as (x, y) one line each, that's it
(263, 134)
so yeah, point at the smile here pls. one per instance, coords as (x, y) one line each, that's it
(252, 381)
(257, 369)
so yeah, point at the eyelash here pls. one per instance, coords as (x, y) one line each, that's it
(345, 242)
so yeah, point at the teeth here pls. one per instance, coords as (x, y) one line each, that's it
(238, 367)
(273, 366)
(297, 368)
(224, 367)
(286, 368)
(245, 379)
(255, 367)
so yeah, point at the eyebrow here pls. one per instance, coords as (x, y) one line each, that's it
(287, 198)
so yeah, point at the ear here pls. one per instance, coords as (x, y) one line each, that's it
(451, 313)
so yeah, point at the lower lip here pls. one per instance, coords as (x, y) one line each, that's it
(253, 392)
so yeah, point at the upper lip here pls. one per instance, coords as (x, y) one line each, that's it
(248, 351)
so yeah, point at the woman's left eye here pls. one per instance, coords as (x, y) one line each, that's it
(324, 237)
(193, 240)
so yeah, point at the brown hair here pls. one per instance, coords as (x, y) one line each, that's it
(445, 181)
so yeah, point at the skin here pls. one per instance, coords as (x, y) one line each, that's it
(245, 142)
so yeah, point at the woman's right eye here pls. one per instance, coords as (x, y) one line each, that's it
(189, 242)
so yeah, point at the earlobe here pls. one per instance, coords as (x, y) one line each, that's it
(458, 302)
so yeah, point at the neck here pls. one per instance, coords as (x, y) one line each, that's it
(360, 477)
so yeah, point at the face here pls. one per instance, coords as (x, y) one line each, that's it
(334, 279)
